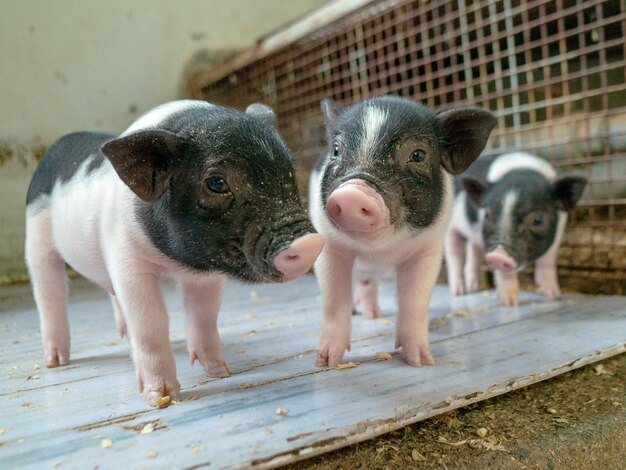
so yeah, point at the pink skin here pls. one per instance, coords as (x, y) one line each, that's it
(415, 258)
(126, 264)
(357, 209)
(298, 258)
(499, 259)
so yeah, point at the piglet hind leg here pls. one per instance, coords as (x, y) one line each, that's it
(49, 280)
(333, 270)
(139, 296)
(416, 281)
(366, 297)
(473, 272)
(202, 303)
(455, 261)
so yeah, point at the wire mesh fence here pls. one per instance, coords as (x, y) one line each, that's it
(552, 71)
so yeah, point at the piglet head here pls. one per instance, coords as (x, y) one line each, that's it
(217, 191)
(386, 162)
(519, 214)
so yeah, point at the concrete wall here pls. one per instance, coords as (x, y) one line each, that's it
(87, 64)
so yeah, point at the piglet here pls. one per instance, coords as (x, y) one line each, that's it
(383, 196)
(190, 190)
(513, 207)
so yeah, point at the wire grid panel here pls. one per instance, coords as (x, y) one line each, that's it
(553, 72)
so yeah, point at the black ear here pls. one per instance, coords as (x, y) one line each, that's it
(568, 189)
(262, 113)
(331, 110)
(465, 133)
(475, 190)
(142, 160)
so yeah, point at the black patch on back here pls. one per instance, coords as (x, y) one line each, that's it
(64, 158)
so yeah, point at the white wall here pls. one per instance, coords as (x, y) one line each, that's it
(91, 64)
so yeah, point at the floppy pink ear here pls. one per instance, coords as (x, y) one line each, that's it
(465, 134)
(142, 161)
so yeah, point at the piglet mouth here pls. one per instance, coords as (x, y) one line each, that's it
(285, 253)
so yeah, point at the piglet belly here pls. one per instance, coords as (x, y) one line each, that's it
(80, 229)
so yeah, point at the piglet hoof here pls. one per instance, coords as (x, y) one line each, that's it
(56, 356)
(471, 285)
(157, 391)
(329, 355)
(457, 286)
(509, 297)
(217, 368)
(416, 353)
(548, 284)
(368, 311)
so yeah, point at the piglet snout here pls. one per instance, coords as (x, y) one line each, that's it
(299, 256)
(500, 259)
(356, 207)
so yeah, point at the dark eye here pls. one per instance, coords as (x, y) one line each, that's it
(538, 220)
(217, 184)
(418, 156)
(336, 150)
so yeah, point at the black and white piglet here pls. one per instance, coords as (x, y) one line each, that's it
(513, 207)
(191, 190)
(383, 197)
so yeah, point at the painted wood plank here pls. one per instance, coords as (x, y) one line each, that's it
(269, 334)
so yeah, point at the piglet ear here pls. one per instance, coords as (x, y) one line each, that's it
(262, 113)
(331, 110)
(568, 189)
(465, 133)
(475, 190)
(142, 160)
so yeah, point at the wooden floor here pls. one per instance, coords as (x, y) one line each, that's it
(89, 414)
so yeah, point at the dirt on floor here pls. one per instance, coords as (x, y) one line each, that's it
(574, 421)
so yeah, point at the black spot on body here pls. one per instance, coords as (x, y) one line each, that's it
(64, 158)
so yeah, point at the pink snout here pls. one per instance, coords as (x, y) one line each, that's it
(356, 207)
(500, 259)
(297, 258)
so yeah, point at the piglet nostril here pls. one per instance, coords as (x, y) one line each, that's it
(366, 212)
(299, 256)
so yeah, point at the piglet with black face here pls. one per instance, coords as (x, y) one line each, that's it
(513, 207)
(383, 196)
(191, 190)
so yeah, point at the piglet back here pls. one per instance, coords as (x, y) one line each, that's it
(62, 161)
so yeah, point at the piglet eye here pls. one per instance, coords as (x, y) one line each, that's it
(336, 150)
(217, 184)
(538, 220)
(418, 156)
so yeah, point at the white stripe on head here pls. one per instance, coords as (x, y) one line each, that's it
(156, 116)
(373, 120)
(506, 214)
(519, 161)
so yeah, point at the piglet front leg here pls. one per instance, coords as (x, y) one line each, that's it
(139, 297)
(202, 303)
(507, 284)
(416, 279)
(334, 275)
